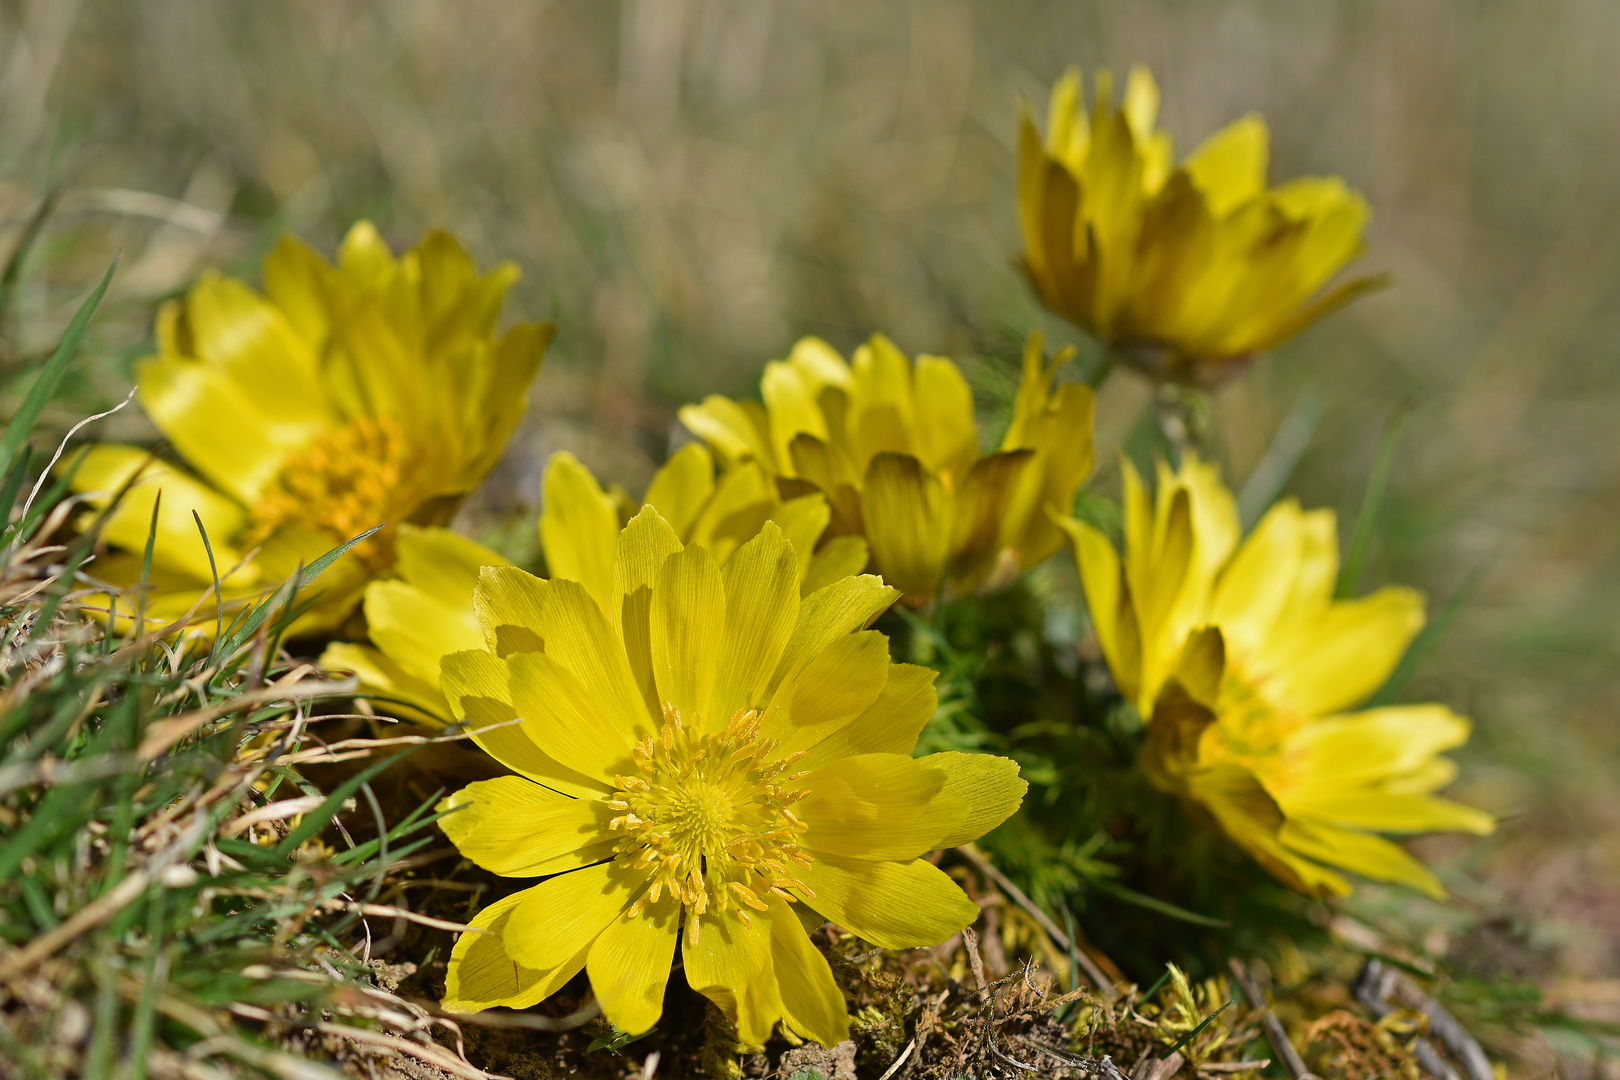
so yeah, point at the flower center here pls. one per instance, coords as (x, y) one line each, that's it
(343, 483)
(707, 815)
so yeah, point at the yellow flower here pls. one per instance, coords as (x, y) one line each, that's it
(426, 610)
(373, 392)
(893, 447)
(709, 760)
(1248, 672)
(1185, 271)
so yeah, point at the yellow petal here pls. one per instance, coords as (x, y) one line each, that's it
(562, 714)
(579, 639)
(908, 516)
(890, 725)
(579, 527)
(728, 429)
(1066, 127)
(416, 629)
(820, 365)
(364, 258)
(983, 526)
(1360, 853)
(1141, 102)
(516, 828)
(1382, 811)
(988, 786)
(1230, 165)
(1056, 424)
(742, 503)
(884, 417)
(836, 688)
(442, 563)
(552, 929)
(826, 465)
(643, 546)
(106, 467)
(216, 426)
(894, 905)
(476, 685)
(879, 806)
(839, 557)
(686, 622)
(1256, 585)
(480, 974)
(510, 607)
(761, 583)
(682, 487)
(802, 521)
(1251, 817)
(826, 615)
(246, 338)
(299, 282)
(491, 412)
(629, 965)
(946, 440)
(731, 965)
(1344, 753)
(402, 694)
(1108, 604)
(1347, 652)
(812, 1004)
(791, 403)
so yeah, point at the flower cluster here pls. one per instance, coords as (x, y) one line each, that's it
(1186, 270)
(701, 761)
(893, 448)
(371, 392)
(708, 748)
(1246, 670)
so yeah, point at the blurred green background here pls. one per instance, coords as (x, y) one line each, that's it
(689, 185)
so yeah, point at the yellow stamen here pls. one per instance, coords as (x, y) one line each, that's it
(343, 483)
(706, 814)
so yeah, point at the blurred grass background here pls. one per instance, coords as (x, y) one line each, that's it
(689, 185)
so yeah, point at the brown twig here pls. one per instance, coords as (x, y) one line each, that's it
(1269, 1022)
(1378, 983)
(1018, 896)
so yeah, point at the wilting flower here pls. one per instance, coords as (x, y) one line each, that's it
(709, 760)
(893, 447)
(373, 392)
(1248, 672)
(1188, 270)
(425, 611)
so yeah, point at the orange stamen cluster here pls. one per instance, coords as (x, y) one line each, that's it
(707, 815)
(343, 483)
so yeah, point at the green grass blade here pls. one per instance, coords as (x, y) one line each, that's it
(145, 586)
(1202, 1024)
(256, 617)
(316, 820)
(14, 483)
(22, 423)
(1267, 479)
(1428, 638)
(1372, 501)
(25, 244)
(219, 597)
(1163, 907)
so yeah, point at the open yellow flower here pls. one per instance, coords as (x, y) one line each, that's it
(1247, 671)
(376, 391)
(425, 611)
(705, 760)
(1187, 271)
(894, 448)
